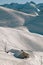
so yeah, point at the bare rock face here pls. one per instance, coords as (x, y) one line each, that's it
(23, 55)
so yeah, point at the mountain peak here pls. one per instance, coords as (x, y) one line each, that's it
(13, 3)
(32, 2)
(27, 2)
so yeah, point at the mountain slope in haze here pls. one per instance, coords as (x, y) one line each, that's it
(36, 24)
(13, 18)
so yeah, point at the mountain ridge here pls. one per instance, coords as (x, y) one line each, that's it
(28, 7)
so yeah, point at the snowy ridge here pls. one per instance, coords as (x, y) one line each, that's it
(11, 10)
(20, 38)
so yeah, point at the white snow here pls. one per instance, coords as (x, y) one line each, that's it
(18, 39)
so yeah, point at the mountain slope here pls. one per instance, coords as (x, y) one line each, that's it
(16, 39)
(20, 38)
(13, 18)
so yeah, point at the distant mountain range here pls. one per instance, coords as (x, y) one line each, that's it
(28, 7)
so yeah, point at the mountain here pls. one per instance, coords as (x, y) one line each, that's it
(29, 7)
(18, 32)
(22, 24)
(40, 6)
(13, 18)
